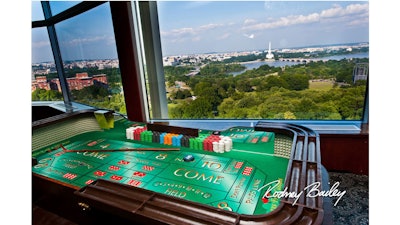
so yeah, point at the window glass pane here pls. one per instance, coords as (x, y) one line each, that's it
(265, 59)
(44, 74)
(59, 6)
(89, 54)
(37, 11)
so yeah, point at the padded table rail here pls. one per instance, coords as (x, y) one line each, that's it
(303, 172)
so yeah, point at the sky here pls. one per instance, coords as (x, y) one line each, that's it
(190, 27)
(196, 27)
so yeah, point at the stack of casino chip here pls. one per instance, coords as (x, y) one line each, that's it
(185, 141)
(225, 144)
(197, 142)
(146, 135)
(214, 142)
(133, 133)
(176, 140)
(169, 139)
(140, 133)
(217, 143)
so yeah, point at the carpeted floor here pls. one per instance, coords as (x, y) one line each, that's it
(353, 208)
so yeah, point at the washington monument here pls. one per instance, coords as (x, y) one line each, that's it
(270, 56)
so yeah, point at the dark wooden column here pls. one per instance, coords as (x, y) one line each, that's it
(127, 49)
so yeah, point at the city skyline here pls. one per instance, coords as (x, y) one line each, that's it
(189, 27)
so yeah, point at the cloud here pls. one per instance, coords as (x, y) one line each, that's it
(80, 41)
(358, 22)
(351, 15)
(177, 35)
(285, 21)
(223, 36)
(251, 36)
(249, 21)
(208, 27)
(39, 44)
(336, 12)
(197, 38)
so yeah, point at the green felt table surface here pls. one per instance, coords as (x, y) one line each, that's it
(231, 180)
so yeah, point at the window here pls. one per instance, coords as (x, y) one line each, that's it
(87, 55)
(216, 60)
(90, 59)
(37, 11)
(60, 6)
(273, 60)
(42, 66)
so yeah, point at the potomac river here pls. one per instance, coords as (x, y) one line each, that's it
(255, 64)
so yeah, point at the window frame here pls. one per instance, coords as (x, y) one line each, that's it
(49, 22)
(328, 126)
(136, 26)
(124, 31)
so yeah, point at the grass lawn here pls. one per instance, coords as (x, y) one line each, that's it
(321, 85)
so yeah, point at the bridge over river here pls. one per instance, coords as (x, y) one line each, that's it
(301, 60)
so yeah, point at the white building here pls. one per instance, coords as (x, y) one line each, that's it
(270, 56)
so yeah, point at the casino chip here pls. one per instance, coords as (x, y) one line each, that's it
(188, 158)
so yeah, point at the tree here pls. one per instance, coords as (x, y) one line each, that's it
(177, 111)
(247, 102)
(227, 105)
(181, 94)
(296, 82)
(46, 95)
(271, 81)
(351, 107)
(244, 86)
(198, 109)
(201, 88)
(93, 92)
(306, 108)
